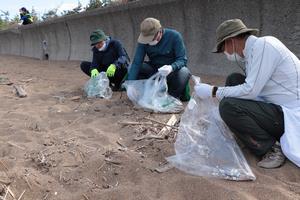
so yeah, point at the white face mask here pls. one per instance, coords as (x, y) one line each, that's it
(103, 47)
(234, 57)
(153, 43)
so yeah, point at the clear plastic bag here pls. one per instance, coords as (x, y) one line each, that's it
(98, 87)
(206, 147)
(151, 94)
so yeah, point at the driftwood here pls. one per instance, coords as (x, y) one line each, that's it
(158, 122)
(15, 145)
(20, 91)
(164, 168)
(85, 197)
(148, 136)
(112, 161)
(21, 195)
(135, 123)
(167, 128)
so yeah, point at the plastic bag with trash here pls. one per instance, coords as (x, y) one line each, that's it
(98, 87)
(152, 94)
(205, 146)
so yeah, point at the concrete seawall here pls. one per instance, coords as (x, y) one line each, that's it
(67, 38)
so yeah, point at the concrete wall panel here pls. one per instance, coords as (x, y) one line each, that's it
(68, 37)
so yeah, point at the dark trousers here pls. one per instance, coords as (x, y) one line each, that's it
(176, 80)
(116, 80)
(257, 124)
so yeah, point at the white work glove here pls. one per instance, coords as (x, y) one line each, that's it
(21, 22)
(165, 70)
(203, 90)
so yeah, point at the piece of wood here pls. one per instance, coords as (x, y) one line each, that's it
(15, 145)
(26, 80)
(166, 129)
(153, 120)
(20, 91)
(21, 195)
(11, 193)
(6, 193)
(164, 168)
(135, 123)
(75, 98)
(26, 180)
(122, 146)
(148, 136)
(112, 161)
(86, 198)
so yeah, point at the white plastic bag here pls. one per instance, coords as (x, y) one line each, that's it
(152, 94)
(98, 87)
(205, 146)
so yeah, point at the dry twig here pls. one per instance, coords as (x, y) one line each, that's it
(21, 195)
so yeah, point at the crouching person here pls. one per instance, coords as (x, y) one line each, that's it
(108, 56)
(166, 52)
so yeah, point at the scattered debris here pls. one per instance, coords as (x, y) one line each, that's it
(21, 195)
(135, 123)
(11, 193)
(5, 81)
(144, 137)
(75, 98)
(122, 147)
(20, 91)
(164, 168)
(26, 80)
(61, 99)
(166, 129)
(85, 197)
(112, 161)
(15, 145)
(165, 124)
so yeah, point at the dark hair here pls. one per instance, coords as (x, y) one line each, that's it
(243, 35)
(24, 10)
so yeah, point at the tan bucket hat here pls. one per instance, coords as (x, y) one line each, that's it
(231, 28)
(149, 27)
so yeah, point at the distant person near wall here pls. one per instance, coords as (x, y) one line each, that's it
(166, 52)
(262, 106)
(108, 56)
(25, 17)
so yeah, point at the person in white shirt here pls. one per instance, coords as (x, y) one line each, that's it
(262, 107)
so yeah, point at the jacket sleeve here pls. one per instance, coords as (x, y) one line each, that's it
(139, 56)
(180, 53)
(122, 55)
(261, 66)
(95, 62)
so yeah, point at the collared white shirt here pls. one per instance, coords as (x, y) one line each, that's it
(273, 76)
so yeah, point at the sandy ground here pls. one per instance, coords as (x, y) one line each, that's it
(56, 145)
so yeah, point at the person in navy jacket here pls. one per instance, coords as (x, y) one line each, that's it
(108, 56)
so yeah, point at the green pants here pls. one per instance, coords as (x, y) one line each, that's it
(257, 124)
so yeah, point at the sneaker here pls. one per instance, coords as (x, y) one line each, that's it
(273, 159)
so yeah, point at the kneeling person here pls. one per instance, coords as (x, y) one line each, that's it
(166, 52)
(108, 56)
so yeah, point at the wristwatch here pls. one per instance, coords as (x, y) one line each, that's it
(214, 91)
